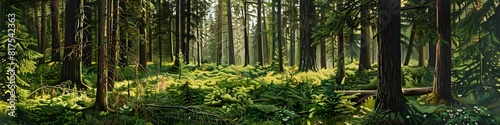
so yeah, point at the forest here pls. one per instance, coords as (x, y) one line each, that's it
(250, 62)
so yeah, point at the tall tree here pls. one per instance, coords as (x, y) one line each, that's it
(307, 51)
(442, 71)
(389, 94)
(124, 43)
(159, 32)
(87, 40)
(219, 32)
(230, 34)
(72, 69)
(340, 45)
(55, 52)
(245, 30)
(43, 31)
(113, 23)
(259, 33)
(280, 41)
(293, 20)
(431, 62)
(143, 42)
(101, 101)
(364, 56)
(179, 30)
(187, 37)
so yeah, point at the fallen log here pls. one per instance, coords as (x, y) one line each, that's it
(364, 94)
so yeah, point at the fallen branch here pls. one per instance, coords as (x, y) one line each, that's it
(364, 94)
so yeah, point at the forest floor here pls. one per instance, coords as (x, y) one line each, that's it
(210, 94)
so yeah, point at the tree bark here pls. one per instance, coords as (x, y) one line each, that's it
(55, 52)
(442, 72)
(113, 23)
(143, 43)
(247, 46)
(389, 94)
(87, 45)
(71, 69)
(124, 44)
(101, 102)
(341, 56)
(307, 51)
(230, 34)
(259, 33)
(43, 31)
(364, 56)
(187, 37)
(159, 32)
(280, 40)
(219, 34)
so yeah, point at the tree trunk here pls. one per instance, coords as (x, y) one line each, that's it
(292, 32)
(442, 72)
(143, 43)
(340, 62)
(169, 31)
(219, 33)
(55, 52)
(266, 39)
(307, 52)
(366, 40)
(230, 34)
(340, 45)
(410, 45)
(180, 32)
(113, 23)
(159, 32)
(101, 102)
(43, 31)
(247, 46)
(280, 40)
(187, 36)
(87, 45)
(421, 56)
(124, 44)
(71, 69)
(389, 94)
(259, 33)
(150, 39)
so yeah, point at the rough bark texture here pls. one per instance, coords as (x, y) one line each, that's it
(259, 33)
(55, 52)
(187, 36)
(307, 52)
(364, 56)
(143, 43)
(101, 89)
(113, 23)
(124, 45)
(43, 32)
(72, 69)
(247, 45)
(219, 33)
(389, 94)
(442, 71)
(87, 40)
(230, 34)
(341, 56)
(280, 40)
